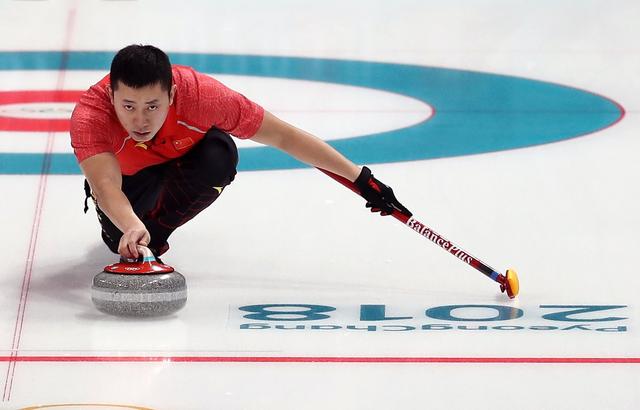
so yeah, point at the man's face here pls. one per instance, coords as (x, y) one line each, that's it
(142, 111)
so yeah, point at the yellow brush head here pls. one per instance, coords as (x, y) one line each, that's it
(512, 284)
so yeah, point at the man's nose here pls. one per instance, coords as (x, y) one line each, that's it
(139, 120)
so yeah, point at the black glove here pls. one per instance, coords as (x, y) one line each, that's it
(379, 196)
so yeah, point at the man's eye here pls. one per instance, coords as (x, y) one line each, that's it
(153, 107)
(128, 107)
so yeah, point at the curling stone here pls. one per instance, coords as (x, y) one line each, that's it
(139, 289)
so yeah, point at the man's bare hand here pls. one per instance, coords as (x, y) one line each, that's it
(130, 240)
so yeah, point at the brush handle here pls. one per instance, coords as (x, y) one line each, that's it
(431, 235)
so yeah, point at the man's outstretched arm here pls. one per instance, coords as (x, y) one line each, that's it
(313, 151)
(104, 176)
(304, 147)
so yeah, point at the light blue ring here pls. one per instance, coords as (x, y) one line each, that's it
(475, 112)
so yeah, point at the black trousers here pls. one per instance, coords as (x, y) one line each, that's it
(168, 195)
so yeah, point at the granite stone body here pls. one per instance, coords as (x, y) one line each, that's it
(139, 295)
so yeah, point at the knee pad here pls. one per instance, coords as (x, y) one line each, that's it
(215, 159)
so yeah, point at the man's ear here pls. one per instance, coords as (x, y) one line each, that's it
(110, 91)
(172, 93)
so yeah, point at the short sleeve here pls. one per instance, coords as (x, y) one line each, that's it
(90, 125)
(205, 102)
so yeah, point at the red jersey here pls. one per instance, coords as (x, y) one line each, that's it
(200, 103)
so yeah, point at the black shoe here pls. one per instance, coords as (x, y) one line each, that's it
(159, 251)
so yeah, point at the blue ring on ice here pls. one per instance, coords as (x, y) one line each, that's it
(474, 112)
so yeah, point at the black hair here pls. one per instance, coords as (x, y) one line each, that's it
(139, 65)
